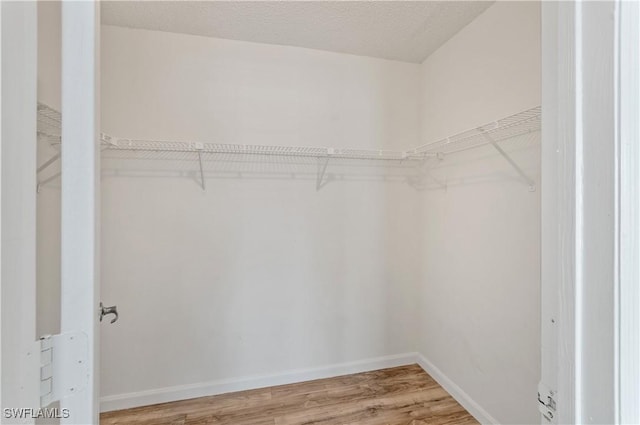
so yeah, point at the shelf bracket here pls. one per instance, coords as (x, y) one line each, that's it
(199, 148)
(47, 180)
(43, 167)
(48, 162)
(323, 162)
(523, 175)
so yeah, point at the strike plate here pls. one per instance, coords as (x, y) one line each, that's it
(64, 366)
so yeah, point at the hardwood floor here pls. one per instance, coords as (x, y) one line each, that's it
(403, 395)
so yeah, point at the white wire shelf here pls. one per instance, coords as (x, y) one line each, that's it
(504, 129)
(115, 144)
(49, 126)
(49, 122)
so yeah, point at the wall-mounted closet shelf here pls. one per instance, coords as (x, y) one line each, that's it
(49, 127)
(490, 134)
(323, 155)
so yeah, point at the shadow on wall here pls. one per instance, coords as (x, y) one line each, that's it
(256, 167)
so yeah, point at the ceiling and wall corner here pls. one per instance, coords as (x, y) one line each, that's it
(407, 31)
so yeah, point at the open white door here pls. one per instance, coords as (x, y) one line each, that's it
(80, 196)
(37, 372)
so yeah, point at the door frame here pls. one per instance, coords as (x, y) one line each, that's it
(589, 211)
(80, 166)
(629, 235)
(20, 349)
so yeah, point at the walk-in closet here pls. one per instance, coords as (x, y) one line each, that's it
(309, 212)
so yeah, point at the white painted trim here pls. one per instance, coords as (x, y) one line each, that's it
(80, 196)
(580, 209)
(473, 407)
(629, 232)
(597, 171)
(222, 386)
(555, 260)
(1, 118)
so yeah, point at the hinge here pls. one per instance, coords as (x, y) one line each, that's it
(63, 366)
(547, 402)
(46, 373)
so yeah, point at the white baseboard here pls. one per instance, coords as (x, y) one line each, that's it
(222, 386)
(456, 392)
(202, 389)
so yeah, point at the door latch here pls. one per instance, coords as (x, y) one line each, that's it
(547, 402)
(108, 310)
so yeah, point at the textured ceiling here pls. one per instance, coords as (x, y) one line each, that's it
(400, 30)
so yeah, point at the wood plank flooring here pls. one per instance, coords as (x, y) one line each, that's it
(403, 395)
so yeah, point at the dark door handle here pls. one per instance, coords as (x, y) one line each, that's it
(109, 310)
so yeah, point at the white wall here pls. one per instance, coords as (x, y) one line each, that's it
(257, 275)
(479, 311)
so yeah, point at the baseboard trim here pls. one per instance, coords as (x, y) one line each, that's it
(222, 386)
(184, 392)
(456, 392)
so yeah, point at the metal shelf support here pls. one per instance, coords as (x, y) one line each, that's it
(504, 129)
(48, 162)
(523, 175)
(47, 180)
(322, 169)
(198, 148)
